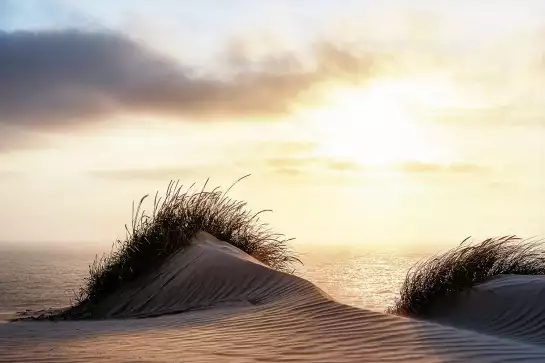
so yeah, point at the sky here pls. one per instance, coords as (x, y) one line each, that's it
(363, 123)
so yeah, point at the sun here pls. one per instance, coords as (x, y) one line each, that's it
(376, 124)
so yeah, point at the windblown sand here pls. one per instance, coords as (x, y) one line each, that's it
(214, 303)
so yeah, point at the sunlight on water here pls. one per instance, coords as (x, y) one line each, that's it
(36, 280)
(369, 280)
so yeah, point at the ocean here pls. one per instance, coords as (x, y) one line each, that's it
(42, 278)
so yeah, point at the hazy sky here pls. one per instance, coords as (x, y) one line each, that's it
(362, 122)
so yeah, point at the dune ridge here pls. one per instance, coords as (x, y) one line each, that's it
(213, 302)
(206, 273)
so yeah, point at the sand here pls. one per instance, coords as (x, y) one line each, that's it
(214, 303)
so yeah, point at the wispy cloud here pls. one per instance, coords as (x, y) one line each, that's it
(420, 167)
(300, 165)
(59, 78)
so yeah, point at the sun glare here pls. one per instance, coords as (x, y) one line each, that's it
(377, 124)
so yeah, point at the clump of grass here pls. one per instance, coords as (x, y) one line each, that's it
(176, 218)
(463, 267)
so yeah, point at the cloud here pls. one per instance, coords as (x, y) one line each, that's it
(299, 165)
(466, 168)
(68, 78)
(13, 138)
(419, 167)
(59, 78)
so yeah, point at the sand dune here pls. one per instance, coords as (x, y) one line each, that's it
(510, 306)
(214, 303)
(208, 273)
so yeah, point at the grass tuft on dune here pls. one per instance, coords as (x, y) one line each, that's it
(176, 218)
(463, 267)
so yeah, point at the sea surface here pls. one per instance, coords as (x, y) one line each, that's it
(41, 278)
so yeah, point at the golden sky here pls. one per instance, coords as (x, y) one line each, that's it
(361, 124)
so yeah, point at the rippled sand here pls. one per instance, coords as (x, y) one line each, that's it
(212, 302)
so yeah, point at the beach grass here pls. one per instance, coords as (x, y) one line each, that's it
(463, 267)
(175, 219)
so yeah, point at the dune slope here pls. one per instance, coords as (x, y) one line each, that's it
(212, 302)
(207, 273)
(510, 306)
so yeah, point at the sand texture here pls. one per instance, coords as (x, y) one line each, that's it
(213, 303)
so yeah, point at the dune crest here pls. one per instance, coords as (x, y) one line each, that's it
(207, 273)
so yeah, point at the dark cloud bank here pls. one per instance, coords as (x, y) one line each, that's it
(56, 78)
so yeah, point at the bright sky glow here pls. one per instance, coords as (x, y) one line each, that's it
(415, 121)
